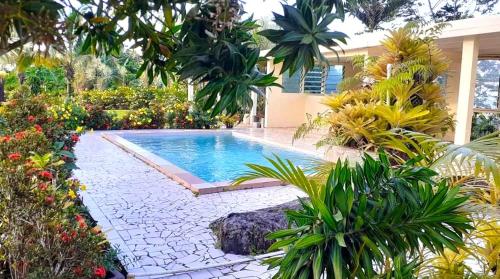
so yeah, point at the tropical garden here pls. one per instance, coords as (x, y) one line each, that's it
(415, 206)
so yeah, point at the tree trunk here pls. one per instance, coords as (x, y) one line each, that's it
(2, 90)
(22, 77)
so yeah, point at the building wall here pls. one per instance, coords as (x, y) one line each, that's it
(285, 110)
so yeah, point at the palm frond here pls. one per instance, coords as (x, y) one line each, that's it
(475, 164)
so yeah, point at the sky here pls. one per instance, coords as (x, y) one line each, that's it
(262, 9)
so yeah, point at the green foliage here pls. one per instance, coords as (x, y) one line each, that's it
(410, 98)
(223, 58)
(36, 22)
(209, 44)
(475, 164)
(373, 13)
(483, 125)
(45, 80)
(134, 98)
(42, 231)
(304, 28)
(365, 221)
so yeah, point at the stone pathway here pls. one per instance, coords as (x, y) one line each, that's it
(157, 224)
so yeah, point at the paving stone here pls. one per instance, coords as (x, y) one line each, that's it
(150, 213)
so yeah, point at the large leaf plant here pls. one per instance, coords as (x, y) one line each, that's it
(399, 89)
(303, 30)
(365, 221)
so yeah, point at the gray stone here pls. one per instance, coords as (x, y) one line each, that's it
(245, 233)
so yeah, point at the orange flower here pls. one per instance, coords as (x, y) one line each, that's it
(20, 135)
(5, 139)
(100, 272)
(14, 156)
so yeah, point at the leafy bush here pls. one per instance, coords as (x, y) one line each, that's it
(229, 120)
(365, 221)
(98, 119)
(107, 99)
(145, 118)
(483, 125)
(134, 98)
(42, 228)
(411, 98)
(72, 115)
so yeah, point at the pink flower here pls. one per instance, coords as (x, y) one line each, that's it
(31, 118)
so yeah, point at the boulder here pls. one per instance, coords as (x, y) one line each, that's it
(245, 233)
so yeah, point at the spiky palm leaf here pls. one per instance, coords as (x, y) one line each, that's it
(472, 164)
(364, 220)
(304, 28)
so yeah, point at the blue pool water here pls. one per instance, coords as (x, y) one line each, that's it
(212, 156)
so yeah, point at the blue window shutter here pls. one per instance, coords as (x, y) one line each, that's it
(335, 74)
(291, 84)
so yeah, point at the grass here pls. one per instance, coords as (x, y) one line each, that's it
(118, 113)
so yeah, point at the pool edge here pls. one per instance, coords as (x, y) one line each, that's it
(188, 180)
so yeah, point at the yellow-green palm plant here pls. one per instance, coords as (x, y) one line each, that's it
(407, 97)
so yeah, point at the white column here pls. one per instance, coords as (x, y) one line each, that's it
(253, 112)
(466, 90)
(190, 90)
(269, 69)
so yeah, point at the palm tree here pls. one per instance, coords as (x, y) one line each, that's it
(372, 13)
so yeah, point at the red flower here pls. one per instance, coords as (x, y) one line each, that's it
(19, 135)
(78, 270)
(38, 128)
(46, 174)
(31, 118)
(100, 272)
(82, 225)
(75, 138)
(79, 218)
(14, 156)
(65, 237)
(42, 186)
(49, 200)
(65, 148)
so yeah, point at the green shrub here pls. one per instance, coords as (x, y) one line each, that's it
(367, 221)
(98, 119)
(43, 232)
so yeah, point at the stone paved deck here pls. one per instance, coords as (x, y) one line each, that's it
(157, 224)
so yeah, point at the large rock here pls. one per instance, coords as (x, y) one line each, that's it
(245, 233)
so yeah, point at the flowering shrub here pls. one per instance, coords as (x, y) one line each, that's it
(97, 118)
(146, 118)
(134, 98)
(43, 231)
(107, 99)
(72, 115)
(229, 121)
(181, 117)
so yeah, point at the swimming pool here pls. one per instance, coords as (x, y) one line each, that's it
(212, 156)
